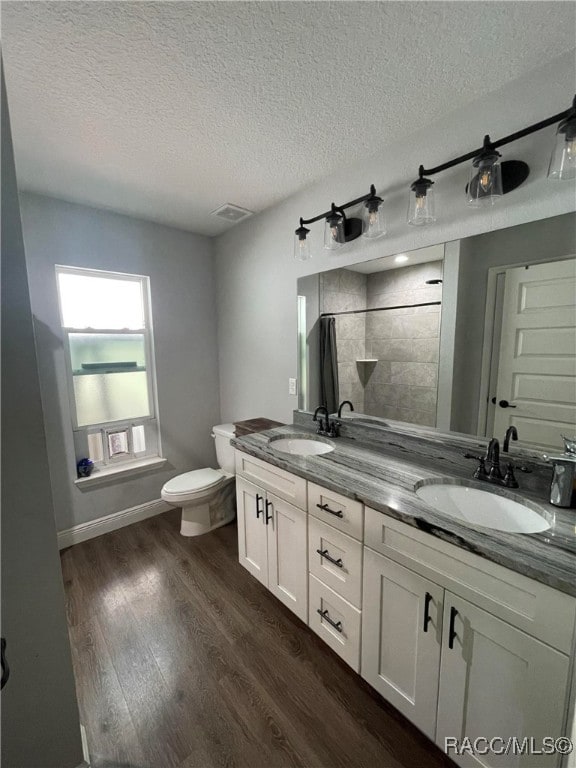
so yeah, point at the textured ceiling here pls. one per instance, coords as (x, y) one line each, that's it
(167, 110)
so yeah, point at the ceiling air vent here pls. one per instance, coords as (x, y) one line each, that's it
(232, 213)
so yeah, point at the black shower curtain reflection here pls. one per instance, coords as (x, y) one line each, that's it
(328, 364)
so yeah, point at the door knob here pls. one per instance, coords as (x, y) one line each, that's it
(505, 404)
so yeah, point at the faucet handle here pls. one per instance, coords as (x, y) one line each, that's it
(480, 473)
(509, 478)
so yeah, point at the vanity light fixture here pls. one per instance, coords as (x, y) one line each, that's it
(563, 159)
(339, 228)
(489, 180)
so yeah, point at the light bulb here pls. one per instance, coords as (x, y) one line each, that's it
(421, 202)
(485, 185)
(374, 223)
(302, 244)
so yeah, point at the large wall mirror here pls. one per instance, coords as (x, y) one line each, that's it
(471, 336)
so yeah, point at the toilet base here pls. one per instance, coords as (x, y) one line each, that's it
(212, 512)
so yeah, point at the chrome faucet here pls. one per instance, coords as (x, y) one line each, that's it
(342, 404)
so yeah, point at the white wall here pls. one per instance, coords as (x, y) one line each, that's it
(40, 722)
(180, 266)
(256, 272)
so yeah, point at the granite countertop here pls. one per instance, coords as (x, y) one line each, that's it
(382, 468)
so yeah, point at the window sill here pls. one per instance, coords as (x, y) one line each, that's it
(110, 474)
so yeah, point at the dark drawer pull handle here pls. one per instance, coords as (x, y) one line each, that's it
(268, 517)
(336, 624)
(258, 509)
(5, 667)
(326, 508)
(427, 617)
(324, 553)
(452, 634)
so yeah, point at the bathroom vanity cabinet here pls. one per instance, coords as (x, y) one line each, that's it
(272, 533)
(459, 644)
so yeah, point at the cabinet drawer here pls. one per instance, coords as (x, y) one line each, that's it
(343, 576)
(344, 638)
(283, 484)
(343, 513)
(536, 608)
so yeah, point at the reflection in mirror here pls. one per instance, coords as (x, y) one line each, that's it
(474, 337)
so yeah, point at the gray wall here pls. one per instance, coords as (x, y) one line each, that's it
(256, 271)
(40, 724)
(539, 241)
(180, 267)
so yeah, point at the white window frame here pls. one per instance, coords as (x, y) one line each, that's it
(150, 422)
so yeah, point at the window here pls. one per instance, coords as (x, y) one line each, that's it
(107, 326)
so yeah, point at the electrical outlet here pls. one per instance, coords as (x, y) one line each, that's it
(292, 386)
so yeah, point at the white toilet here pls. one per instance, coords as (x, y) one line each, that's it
(206, 496)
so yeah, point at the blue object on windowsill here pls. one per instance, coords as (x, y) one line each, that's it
(84, 467)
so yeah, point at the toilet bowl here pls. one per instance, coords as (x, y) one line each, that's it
(206, 496)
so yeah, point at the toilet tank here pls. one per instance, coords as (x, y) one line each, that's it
(222, 434)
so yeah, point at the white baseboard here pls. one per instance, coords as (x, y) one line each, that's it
(112, 522)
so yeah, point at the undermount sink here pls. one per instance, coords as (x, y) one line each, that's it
(301, 446)
(484, 509)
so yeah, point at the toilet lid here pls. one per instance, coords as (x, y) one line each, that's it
(197, 480)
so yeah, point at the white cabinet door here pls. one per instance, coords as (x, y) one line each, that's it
(497, 682)
(401, 638)
(252, 544)
(287, 554)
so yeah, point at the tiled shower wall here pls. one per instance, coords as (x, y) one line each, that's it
(402, 383)
(342, 290)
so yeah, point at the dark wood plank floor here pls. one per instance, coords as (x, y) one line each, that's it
(182, 659)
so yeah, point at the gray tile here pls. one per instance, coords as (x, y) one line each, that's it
(353, 282)
(406, 350)
(351, 327)
(414, 374)
(350, 350)
(418, 398)
(415, 326)
(330, 281)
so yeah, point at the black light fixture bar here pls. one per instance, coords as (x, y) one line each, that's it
(340, 208)
(501, 142)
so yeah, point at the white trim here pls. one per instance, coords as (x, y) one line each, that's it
(85, 751)
(110, 473)
(450, 273)
(112, 522)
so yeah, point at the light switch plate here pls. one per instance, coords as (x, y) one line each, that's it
(292, 386)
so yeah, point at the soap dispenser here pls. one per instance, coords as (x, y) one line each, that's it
(563, 485)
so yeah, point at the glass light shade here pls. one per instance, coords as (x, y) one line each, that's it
(563, 159)
(485, 185)
(421, 209)
(334, 232)
(301, 248)
(374, 221)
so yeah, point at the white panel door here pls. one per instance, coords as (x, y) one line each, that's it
(401, 638)
(537, 367)
(252, 529)
(496, 681)
(287, 554)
